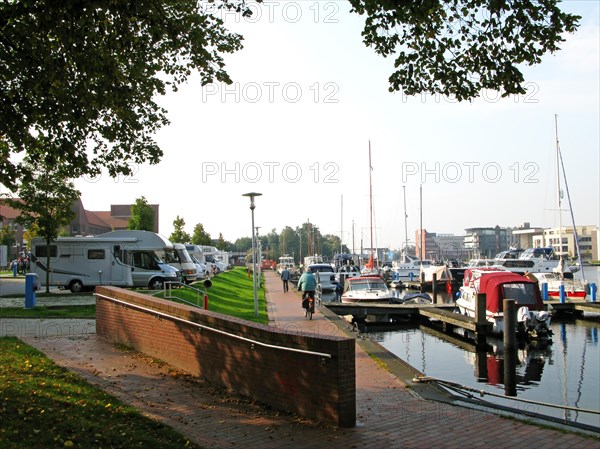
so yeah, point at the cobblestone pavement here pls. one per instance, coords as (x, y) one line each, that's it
(389, 414)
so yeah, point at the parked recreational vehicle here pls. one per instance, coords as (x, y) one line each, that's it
(142, 250)
(207, 259)
(80, 263)
(180, 259)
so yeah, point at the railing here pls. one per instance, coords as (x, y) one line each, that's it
(168, 288)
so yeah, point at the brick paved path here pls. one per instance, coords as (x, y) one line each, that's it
(388, 414)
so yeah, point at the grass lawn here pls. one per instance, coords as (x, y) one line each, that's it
(45, 406)
(232, 293)
(83, 311)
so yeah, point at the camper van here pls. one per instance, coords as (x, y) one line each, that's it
(80, 263)
(200, 256)
(142, 250)
(180, 259)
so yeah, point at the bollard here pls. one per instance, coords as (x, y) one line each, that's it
(434, 287)
(593, 289)
(480, 320)
(205, 301)
(562, 293)
(30, 284)
(510, 325)
(545, 291)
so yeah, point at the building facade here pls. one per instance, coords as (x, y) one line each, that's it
(485, 243)
(587, 237)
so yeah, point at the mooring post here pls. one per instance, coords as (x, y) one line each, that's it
(510, 347)
(593, 289)
(481, 322)
(434, 287)
(422, 281)
(510, 324)
(562, 293)
(545, 291)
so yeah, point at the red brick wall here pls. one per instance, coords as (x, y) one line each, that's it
(312, 386)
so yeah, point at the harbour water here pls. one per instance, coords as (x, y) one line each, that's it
(565, 372)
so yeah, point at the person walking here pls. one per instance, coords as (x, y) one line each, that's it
(285, 277)
(307, 284)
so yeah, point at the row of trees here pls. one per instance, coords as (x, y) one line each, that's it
(299, 241)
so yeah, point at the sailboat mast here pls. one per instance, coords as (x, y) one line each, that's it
(421, 221)
(405, 221)
(371, 199)
(560, 164)
(559, 191)
(341, 222)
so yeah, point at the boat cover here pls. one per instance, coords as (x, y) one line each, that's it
(507, 285)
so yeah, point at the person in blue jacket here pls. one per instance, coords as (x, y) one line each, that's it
(307, 284)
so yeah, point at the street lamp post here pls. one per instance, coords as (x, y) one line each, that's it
(253, 195)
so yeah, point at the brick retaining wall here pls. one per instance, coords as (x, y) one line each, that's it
(313, 386)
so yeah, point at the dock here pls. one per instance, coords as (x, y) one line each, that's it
(386, 313)
(574, 306)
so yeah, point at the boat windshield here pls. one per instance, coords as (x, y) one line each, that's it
(523, 294)
(321, 268)
(368, 285)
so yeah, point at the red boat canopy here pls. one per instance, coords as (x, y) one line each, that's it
(507, 285)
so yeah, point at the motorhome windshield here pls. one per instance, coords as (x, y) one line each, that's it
(170, 257)
(184, 256)
(210, 258)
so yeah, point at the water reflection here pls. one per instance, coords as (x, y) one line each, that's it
(565, 372)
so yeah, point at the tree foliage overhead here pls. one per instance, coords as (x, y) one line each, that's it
(459, 47)
(83, 76)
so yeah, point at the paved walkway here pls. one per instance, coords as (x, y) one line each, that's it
(388, 413)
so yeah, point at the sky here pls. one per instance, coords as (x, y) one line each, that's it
(309, 99)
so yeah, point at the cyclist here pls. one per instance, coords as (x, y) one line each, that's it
(307, 284)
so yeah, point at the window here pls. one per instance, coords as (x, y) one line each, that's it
(95, 254)
(523, 294)
(42, 251)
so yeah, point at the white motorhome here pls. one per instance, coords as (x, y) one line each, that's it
(205, 257)
(214, 256)
(142, 250)
(80, 263)
(180, 259)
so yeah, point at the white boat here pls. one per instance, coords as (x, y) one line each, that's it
(574, 288)
(310, 260)
(408, 268)
(532, 319)
(325, 276)
(441, 272)
(346, 272)
(478, 263)
(534, 260)
(366, 289)
(286, 261)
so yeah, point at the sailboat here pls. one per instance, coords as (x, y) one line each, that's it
(556, 280)
(370, 267)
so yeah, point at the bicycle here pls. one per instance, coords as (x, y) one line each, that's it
(309, 306)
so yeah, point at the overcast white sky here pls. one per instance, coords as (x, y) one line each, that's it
(307, 98)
